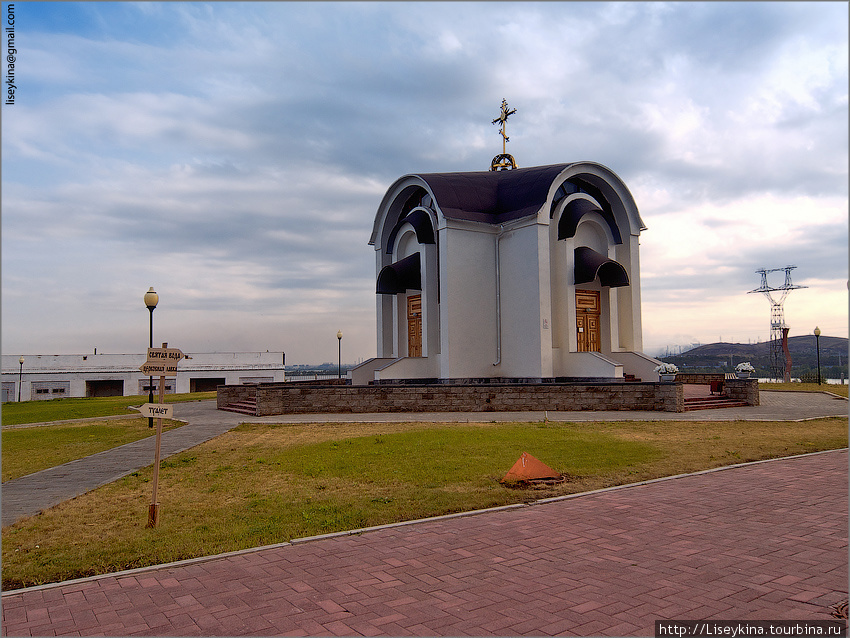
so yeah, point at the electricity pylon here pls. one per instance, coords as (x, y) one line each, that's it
(778, 329)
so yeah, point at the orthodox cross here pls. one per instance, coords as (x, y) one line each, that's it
(503, 120)
(503, 161)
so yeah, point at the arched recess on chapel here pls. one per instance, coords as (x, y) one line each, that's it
(586, 245)
(409, 245)
(406, 243)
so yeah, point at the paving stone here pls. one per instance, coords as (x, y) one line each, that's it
(773, 545)
(588, 599)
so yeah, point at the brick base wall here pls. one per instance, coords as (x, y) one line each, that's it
(275, 399)
(743, 389)
(234, 394)
(699, 378)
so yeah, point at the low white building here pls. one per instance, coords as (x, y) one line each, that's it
(97, 375)
(531, 273)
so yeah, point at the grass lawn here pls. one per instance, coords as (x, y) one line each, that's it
(31, 449)
(80, 408)
(263, 483)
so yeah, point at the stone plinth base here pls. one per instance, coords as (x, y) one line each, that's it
(746, 390)
(700, 378)
(282, 398)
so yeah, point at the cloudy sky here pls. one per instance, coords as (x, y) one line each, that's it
(233, 155)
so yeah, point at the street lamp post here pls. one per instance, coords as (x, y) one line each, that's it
(817, 344)
(339, 338)
(151, 299)
(20, 377)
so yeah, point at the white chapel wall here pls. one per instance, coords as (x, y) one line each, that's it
(525, 305)
(468, 301)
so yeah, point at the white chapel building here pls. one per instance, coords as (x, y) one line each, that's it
(525, 274)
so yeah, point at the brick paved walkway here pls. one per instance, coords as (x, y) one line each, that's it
(761, 541)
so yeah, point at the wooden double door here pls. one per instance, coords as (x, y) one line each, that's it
(414, 326)
(588, 313)
(588, 319)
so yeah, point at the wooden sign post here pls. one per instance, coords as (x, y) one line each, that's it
(163, 361)
(153, 510)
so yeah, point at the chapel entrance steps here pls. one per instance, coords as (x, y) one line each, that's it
(701, 397)
(247, 406)
(710, 403)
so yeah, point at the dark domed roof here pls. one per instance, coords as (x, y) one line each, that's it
(493, 197)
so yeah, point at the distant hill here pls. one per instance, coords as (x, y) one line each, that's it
(802, 343)
(725, 356)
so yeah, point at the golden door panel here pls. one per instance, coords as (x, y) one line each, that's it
(588, 310)
(588, 301)
(414, 326)
(581, 331)
(592, 333)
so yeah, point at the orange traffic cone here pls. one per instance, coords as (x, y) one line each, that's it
(528, 468)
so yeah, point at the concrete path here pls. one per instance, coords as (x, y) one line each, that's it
(31, 494)
(761, 541)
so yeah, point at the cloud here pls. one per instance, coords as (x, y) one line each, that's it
(233, 155)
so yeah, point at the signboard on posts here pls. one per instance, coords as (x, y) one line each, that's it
(162, 362)
(159, 369)
(165, 354)
(157, 410)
